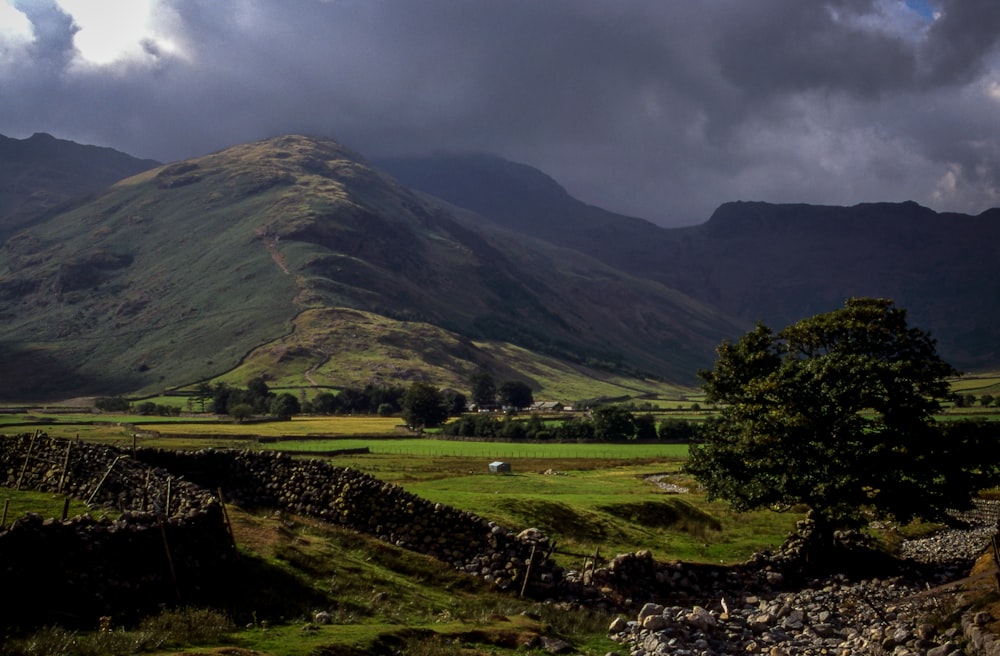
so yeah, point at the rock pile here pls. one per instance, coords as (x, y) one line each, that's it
(834, 615)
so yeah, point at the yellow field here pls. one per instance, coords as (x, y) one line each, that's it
(297, 427)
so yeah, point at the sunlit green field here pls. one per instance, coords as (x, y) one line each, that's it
(485, 450)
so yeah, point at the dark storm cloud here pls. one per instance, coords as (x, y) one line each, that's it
(659, 109)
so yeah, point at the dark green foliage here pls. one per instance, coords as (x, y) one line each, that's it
(836, 412)
(515, 394)
(203, 394)
(159, 409)
(372, 399)
(454, 401)
(613, 423)
(484, 390)
(515, 430)
(259, 395)
(423, 406)
(112, 404)
(677, 430)
(285, 405)
(241, 411)
(645, 427)
(377, 396)
(146, 408)
(575, 430)
(474, 425)
(325, 403)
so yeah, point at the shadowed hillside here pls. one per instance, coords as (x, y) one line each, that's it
(759, 261)
(40, 172)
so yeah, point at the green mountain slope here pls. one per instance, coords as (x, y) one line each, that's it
(176, 274)
(760, 261)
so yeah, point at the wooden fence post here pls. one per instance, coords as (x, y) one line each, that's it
(593, 564)
(145, 490)
(104, 478)
(170, 559)
(527, 571)
(229, 526)
(65, 468)
(27, 457)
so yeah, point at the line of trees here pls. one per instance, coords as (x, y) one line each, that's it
(606, 424)
(969, 400)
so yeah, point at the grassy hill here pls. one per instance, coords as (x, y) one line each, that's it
(180, 273)
(338, 346)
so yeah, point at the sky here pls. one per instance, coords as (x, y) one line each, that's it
(661, 109)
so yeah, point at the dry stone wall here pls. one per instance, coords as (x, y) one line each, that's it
(366, 504)
(168, 543)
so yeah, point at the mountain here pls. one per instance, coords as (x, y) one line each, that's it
(185, 271)
(760, 261)
(41, 172)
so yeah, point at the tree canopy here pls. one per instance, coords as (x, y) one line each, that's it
(484, 390)
(423, 406)
(837, 412)
(515, 394)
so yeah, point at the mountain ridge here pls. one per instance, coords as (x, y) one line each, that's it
(41, 172)
(177, 273)
(219, 265)
(758, 261)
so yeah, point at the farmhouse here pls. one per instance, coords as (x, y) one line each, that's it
(547, 406)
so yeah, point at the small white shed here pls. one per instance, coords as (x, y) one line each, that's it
(499, 467)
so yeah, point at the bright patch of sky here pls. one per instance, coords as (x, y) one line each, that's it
(14, 25)
(106, 31)
(114, 30)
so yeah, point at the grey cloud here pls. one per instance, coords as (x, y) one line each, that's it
(53, 30)
(960, 42)
(659, 109)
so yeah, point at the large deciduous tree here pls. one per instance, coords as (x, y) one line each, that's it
(837, 412)
(423, 406)
(613, 423)
(515, 394)
(484, 390)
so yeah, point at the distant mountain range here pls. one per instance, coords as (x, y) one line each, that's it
(759, 261)
(295, 258)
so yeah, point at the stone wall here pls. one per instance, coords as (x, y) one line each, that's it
(170, 542)
(361, 502)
